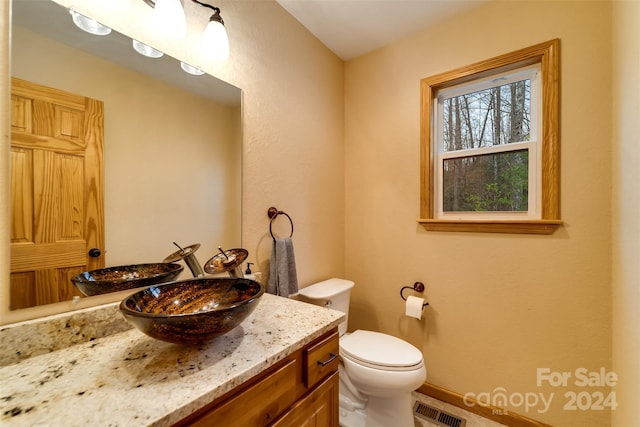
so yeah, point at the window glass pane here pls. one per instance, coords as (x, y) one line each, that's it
(493, 116)
(490, 182)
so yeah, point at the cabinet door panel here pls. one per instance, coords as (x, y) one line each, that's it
(257, 405)
(318, 409)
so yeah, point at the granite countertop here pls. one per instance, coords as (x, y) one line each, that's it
(128, 378)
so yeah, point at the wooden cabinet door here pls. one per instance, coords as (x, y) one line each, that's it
(258, 404)
(318, 409)
(57, 211)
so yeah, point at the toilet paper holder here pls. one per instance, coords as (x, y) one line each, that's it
(418, 287)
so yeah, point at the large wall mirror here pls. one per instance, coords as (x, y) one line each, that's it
(172, 140)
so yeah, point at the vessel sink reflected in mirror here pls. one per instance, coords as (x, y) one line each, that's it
(124, 277)
(192, 311)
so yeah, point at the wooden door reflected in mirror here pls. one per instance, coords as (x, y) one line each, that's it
(57, 205)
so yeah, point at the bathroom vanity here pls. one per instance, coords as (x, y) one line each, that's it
(300, 390)
(275, 369)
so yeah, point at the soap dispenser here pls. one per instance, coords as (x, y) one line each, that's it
(248, 270)
(248, 274)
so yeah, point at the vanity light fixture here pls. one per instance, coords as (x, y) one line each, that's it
(170, 14)
(146, 50)
(215, 34)
(89, 25)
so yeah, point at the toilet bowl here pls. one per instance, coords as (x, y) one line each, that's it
(378, 372)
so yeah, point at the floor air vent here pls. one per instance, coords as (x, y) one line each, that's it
(437, 416)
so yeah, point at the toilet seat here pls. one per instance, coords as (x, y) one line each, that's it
(380, 351)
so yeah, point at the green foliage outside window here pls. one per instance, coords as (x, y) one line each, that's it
(491, 182)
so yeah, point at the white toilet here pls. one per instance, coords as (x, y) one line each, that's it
(378, 372)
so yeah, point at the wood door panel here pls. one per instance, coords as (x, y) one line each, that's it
(21, 195)
(46, 286)
(55, 285)
(58, 122)
(60, 145)
(44, 202)
(23, 290)
(58, 194)
(32, 288)
(57, 191)
(21, 118)
(31, 256)
(43, 118)
(69, 124)
(70, 193)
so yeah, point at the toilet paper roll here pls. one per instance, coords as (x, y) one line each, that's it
(414, 306)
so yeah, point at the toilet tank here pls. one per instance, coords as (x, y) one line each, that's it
(332, 293)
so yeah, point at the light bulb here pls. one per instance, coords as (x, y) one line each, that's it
(216, 40)
(170, 19)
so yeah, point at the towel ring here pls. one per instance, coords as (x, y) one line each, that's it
(273, 214)
(418, 287)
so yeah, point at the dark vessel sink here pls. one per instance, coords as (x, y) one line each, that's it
(121, 278)
(192, 311)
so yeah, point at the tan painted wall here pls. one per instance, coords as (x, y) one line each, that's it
(502, 306)
(626, 210)
(293, 126)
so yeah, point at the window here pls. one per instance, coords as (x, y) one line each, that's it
(490, 145)
(486, 138)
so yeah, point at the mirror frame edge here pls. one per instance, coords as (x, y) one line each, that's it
(5, 188)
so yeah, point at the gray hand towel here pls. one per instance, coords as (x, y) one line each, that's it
(283, 279)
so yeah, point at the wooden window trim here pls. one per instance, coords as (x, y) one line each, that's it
(547, 55)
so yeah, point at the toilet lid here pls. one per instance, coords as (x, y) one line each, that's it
(380, 351)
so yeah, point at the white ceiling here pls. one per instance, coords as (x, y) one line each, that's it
(351, 28)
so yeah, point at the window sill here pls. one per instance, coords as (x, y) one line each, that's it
(542, 226)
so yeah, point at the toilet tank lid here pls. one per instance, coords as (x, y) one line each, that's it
(326, 289)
